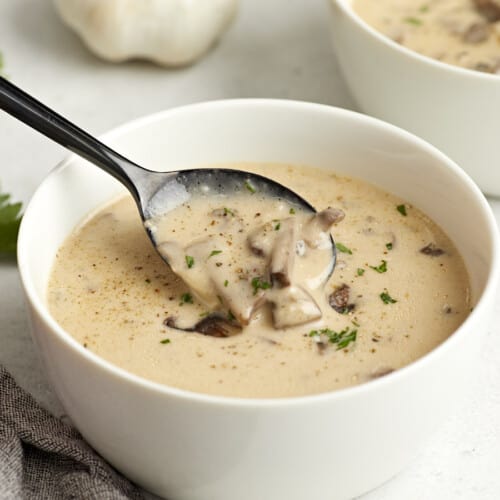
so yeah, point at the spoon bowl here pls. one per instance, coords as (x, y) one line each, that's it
(155, 193)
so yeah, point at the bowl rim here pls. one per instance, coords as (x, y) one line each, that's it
(348, 9)
(111, 370)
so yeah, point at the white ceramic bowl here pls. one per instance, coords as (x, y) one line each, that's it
(457, 110)
(330, 446)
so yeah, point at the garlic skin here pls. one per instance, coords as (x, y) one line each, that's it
(167, 32)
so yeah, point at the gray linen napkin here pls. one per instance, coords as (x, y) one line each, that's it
(43, 458)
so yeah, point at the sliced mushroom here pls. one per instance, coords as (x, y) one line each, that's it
(196, 278)
(293, 306)
(240, 299)
(214, 325)
(283, 253)
(261, 240)
(477, 33)
(489, 9)
(314, 232)
(339, 299)
(432, 250)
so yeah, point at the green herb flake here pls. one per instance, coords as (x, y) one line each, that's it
(388, 246)
(228, 211)
(386, 298)
(259, 284)
(204, 314)
(189, 261)
(10, 219)
(186, 298)
(292, 211)
(277, 226)
(382, 268)
(402, 210)
(423, 9)
(230, 316)
(226, 282)
(342, 248)
(415, 21)
(342, 339)
(249, 186)
(360, 271)
(355, 323)
(165, 341)
(214, 252)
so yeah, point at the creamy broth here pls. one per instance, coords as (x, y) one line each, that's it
(399, 289)
(460, 32)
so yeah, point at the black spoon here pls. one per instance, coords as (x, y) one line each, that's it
(154, 192)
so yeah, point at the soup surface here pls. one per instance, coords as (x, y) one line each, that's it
(399, 289)
(461, 32)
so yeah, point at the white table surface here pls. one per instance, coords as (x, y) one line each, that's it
(277, 48)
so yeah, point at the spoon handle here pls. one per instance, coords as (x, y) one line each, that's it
(27, 109)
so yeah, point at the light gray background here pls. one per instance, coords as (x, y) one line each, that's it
(277, 48)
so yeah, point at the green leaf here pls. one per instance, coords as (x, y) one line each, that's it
(250, 188)
(386, 298)
(259, 283)
(360, 271)
(213, 253)
(342, 338)
(342, 248)
(402, 210)
(186, 298)
(382, 268)
(10, 219)
(415, 21)
(189, 261)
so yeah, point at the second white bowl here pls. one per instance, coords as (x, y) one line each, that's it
(455, 109)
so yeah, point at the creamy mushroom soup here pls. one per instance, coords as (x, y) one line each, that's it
(461, 32)
(246, 308)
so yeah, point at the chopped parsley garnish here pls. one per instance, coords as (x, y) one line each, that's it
(186, 298)
(214, 252)
(342, 248)
(249, 186)
(342, 338)
(228, 211)
(382, 268)
(386, 298)
(415, 21)
(259, 284)
(165, 341)
(189, 261)
(10, 219)
(230, 316)
(277, 226)
(388, 246)
(402, 210)
(292, 211)
(360, 271)
(226, 282)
